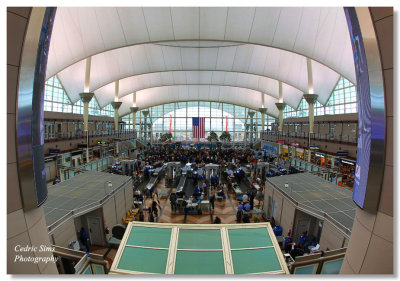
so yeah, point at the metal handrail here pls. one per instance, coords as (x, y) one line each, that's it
(95, 133)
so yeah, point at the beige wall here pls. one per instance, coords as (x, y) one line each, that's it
(330, 237)
(128, 197)
(288, 213)
(370, 249)
(109, 215)
(120, 205)
(65, 233)
(23, 228)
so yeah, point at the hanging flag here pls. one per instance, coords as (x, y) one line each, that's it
(199, 128)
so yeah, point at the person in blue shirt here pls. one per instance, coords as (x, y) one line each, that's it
(288, 243)
(247, 207)
(303, 240)
(196, 190)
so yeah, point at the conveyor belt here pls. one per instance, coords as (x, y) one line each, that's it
(181, 184)
(189, 187)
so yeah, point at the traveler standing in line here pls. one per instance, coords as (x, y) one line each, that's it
(151, 217)
(212, 200)
(239, 213)
(154, 208)
(141, 216)
(172, 199)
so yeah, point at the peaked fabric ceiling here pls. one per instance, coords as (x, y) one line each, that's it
(218, 54)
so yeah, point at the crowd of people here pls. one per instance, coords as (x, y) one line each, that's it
(198, 156)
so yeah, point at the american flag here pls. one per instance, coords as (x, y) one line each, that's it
(199, 128)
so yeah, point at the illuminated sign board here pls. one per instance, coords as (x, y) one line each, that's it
(371, 116)
(342, 153)
(348, 162)
(317, 154)
(314, 147)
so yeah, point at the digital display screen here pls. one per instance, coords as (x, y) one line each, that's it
(364, 108)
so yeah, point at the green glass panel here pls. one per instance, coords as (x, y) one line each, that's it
(98, 268)
(255, 261)
(199, 262)
(88, 270)
(249, 238)
(143, 260)
(308, 269)
(199, 239)
(149, 237)
(332, 267)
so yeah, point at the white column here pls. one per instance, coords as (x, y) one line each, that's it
(86, 97)
(116, 105)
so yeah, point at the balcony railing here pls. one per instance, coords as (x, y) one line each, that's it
(266, 135)
(80, 134)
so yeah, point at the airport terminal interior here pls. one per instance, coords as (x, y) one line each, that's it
(200, 140)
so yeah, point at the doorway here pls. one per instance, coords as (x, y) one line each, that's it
(302, 225)
(95, 231)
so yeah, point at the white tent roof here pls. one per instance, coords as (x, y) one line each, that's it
(239, 51)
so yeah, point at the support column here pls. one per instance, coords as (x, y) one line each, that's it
(134, 109)
(86, 98)
(145, 114)
(311, 98)
(251, 114)
(116, 105)
(281, 107)
(263, 111)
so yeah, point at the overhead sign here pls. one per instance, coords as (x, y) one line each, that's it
(280, 141)
(117, 139)
(101, 142)
(317, 154)
(342, 153)
(54, 151)
(296, 144)
(314, 147)
(49, 159)
(348, 162)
